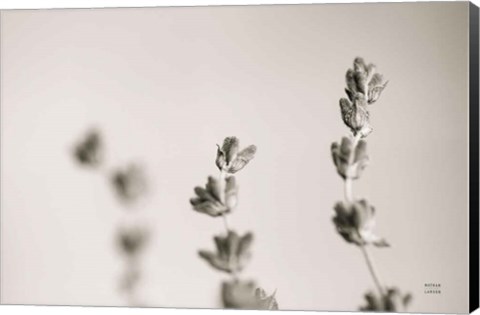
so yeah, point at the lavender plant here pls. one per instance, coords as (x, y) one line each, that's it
(128, 184)
(354, 218)
(233, 251)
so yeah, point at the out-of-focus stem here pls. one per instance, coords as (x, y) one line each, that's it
(350, 198)
(372, 269)
(348, 190)
(223, 176)
(351, 160)
(132, 275)
(222, 184)
(225, 222)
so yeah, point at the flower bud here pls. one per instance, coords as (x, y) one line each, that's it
(363, 83)
(355, 115)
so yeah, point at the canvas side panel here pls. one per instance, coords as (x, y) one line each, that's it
(474, 221)
(1, 194)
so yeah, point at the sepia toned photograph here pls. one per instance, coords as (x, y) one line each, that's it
(266, 157)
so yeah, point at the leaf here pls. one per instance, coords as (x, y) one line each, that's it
(230, 148)
(242, 159)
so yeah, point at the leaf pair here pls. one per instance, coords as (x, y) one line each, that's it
(129, 183)
(355, 221)
(219, 196)
(246, 295)
(392, 301)
(230, 159)
(341, 154)
(232, 252)
(89, 151)
(132, 240)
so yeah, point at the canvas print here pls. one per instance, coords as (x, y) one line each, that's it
(269, 157)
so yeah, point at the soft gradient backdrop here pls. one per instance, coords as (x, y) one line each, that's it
(166, 84)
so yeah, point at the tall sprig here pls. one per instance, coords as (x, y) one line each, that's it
(218, 198)
(129, 185)
(355, 218)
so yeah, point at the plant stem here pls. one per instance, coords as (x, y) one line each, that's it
(221, 182)
(371, 268)
(222, 178)
(225, 223)
(351, 160)
(350, 198)
(348, 190)
(132, 275)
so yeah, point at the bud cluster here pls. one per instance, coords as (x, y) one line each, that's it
(364, 87)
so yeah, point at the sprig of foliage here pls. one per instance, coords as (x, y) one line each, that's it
(218, 198)
(354, 218)
(128, 184)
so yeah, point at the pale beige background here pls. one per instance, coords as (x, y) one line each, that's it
(166, 84)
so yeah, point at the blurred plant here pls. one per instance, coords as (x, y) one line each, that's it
(131, 241)
(246, 295)
(129, 184)
(89, 151)
(354, 219)
(209, 199)
(392, 301)
(233, 252)
(218, 199)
